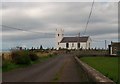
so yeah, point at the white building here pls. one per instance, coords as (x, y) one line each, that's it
(83, 42)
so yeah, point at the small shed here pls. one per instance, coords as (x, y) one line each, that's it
(114, 48)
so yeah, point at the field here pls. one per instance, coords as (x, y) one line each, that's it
(106, 65)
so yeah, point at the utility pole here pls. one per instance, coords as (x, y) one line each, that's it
(105, 45)
(78, 44)
(79, 34)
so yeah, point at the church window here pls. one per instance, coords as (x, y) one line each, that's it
(67, 45)
(78, 45)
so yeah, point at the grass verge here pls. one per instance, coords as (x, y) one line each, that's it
(106, 65)
(10, 65)
(58, 75)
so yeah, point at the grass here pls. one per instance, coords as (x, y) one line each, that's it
(11, 66)
(43, 58)
(57, 76)
(106, 65)
(0, 71)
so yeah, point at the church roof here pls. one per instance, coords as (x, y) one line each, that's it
(74, 39)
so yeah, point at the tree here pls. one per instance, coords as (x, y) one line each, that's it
(52, 48)
(41, 48)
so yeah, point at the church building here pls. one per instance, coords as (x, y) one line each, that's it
(78, 42)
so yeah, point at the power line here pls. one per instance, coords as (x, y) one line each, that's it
(98, 40)
(88, 18)
(47, 34)
(20, 29)
(12, 27)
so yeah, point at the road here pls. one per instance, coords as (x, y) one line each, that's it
(62, 68)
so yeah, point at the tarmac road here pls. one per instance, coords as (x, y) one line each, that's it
(62, 68)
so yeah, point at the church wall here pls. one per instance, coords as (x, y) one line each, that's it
(71, 45)
(59, 35)
(89, 43)
(83, 45)
(63, 45)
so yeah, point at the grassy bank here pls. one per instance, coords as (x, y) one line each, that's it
(106, 65)
(22, 59)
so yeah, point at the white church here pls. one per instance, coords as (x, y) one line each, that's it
(78, 42)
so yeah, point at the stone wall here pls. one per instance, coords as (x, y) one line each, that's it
(93, 74)
(91, 53)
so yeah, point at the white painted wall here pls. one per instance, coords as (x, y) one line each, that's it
(74, 45)
(59, 37)
(86, 45)
(83, 45)
(71, 45)
(89, 42)
(63, 45)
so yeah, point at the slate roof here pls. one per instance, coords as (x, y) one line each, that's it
(115, 44)
(74, 39)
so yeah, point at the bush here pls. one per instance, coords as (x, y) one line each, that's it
(21, 57)
(55, 53)
(50, 55)
(33, 56)
(5, 63)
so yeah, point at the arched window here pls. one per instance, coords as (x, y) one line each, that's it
(58, 34)
(89, 45)
(78, 45)
(67, 45)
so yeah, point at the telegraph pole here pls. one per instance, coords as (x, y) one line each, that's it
(78, 44)
(79, 34)
(105, 45)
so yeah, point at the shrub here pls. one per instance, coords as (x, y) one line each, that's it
(5, 63)
(33, 56)
(3, 58)
(50, 55)
(21, 57)
(55, 53)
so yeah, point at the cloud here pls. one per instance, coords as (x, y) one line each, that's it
(44, 18)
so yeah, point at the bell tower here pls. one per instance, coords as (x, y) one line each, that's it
(59, 36)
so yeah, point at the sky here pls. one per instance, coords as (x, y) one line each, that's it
(34, 23)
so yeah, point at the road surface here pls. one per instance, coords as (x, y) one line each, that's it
(62, 68)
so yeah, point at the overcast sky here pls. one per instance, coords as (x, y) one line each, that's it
(38, 21)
